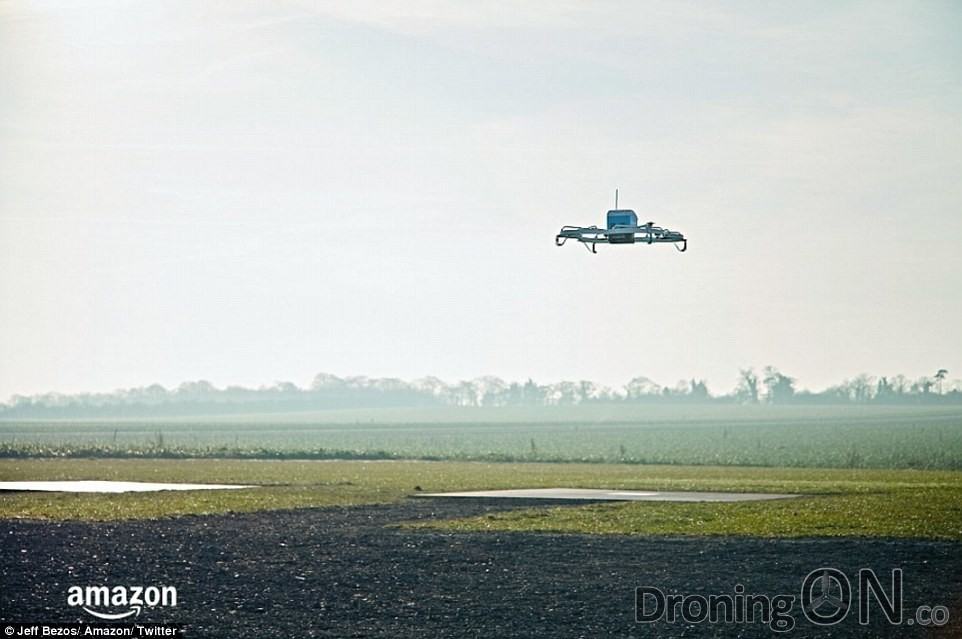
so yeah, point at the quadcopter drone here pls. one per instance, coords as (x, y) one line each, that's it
(622, 228)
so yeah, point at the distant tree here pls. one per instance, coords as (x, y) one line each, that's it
(532, 394)
(781, 388)
(564, 393)
(883, 390)
(606, 394)
(514, 394)
(699, 390)
(282, 388)
(641, 387)
(587, 391)
(838, 393)
(747, 390)
(326, 381)
(860, 388)
(388, 384)
(432, 387)
(900, 385)
(491, 390)
(680, 389)
(940, 377)
(357, 382)
(196, 391)
(466, 394)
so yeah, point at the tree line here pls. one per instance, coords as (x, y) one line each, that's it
(765, 386)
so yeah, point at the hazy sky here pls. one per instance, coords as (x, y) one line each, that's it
(248, 191)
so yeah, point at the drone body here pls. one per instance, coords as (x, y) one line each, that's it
(622, 228)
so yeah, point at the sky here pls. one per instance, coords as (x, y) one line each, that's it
(252, 191)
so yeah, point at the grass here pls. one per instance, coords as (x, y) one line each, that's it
(840, 502)
(924, 513)
(773, 436)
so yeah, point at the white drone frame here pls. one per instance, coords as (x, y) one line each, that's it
(592, 236)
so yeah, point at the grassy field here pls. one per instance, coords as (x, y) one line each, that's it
(776, 436)
(922, 512)
(864, 471)
(838, 502)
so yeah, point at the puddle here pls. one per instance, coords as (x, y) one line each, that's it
(108, 486)
(609, 495)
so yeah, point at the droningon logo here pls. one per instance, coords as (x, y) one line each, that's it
(828, 596)
(129, 599)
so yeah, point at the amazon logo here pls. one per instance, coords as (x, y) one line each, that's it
(120, 602)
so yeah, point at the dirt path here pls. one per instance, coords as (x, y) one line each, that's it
(341, 573)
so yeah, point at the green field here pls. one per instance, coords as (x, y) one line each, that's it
(864, 471)
(837, 502)
(775, 436)
(929, 512)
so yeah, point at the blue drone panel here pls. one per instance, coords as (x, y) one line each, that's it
(622, 218)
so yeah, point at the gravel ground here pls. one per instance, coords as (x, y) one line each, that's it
(340, 572)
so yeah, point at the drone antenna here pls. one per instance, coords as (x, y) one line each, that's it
(616, 199)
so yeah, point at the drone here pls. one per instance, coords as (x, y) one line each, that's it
(623, 228)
